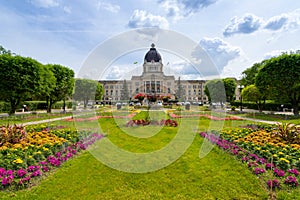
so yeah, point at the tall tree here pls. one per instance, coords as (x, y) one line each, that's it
(250, 73)
(19, 78)
(85, 90)
(230, 87)
(99, 92)
(251, 93)
(281, 76)
(64, 84)
(215, 91)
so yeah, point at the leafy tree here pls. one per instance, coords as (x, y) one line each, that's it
(215, 91)
(230, 86)
(64, 84)
(19, 78)
(4, 51)
(48, 83)
(99, 92)
(281, 77)
(125, 92)
(251, 93)
(250, 73)
(85, 90)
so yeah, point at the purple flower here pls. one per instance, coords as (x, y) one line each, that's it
(31, 168)
(269, 165)
(273, 183)
(2, 171)
(292, 181)
(294, 171)
(21, 173)
(259, 171)
(245, 158)
(43, 163)
(279, 173)
(7, 180)
(45, 169)
(261, 160)
(36, 173)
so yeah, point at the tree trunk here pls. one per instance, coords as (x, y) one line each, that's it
(50, 106)
(296, 109)
(64, 106)
(13, 106)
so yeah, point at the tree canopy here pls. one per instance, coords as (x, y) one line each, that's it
(62, 89)
(230, 87)
(85, 90)
(251, 93)
(215, 91)
(250, 73)
(20, 77)
(280, 76)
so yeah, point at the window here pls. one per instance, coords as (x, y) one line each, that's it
(152, 68)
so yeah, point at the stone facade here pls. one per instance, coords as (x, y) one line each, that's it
(153, 81)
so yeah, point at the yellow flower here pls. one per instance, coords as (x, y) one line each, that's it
(3, 148)
(275, 155)
(18, 161)
(45, 149)
(280, 153)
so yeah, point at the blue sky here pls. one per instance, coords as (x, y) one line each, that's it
(235, 34)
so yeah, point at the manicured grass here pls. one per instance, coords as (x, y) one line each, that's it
(23, 118)
(216, 176)
(273, 117)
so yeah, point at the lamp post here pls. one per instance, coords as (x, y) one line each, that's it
(241, 88)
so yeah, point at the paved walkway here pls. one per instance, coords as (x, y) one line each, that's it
(45, 121)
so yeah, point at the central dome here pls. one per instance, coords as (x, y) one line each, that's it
(152, 55)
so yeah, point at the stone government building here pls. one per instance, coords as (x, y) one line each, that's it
(153, 81)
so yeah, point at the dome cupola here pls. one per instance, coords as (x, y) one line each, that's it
(152, 55)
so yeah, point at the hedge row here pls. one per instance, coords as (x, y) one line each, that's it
(35, 105)
(270, 106)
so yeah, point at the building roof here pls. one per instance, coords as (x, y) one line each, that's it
(152, 55)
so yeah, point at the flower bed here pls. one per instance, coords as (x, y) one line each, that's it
(275, 163)
(205, 116)
(143, 122)
(37, 152)
(79, 119)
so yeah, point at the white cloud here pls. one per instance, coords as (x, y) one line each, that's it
(45, 3)
(276, 22)
(108, 6)
(220, 51)
(178, 9)
(249, 23)
(141, 19)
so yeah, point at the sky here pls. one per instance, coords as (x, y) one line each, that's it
(234, 34)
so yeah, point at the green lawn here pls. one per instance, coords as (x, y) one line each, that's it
(273, 117)
(216, 176)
